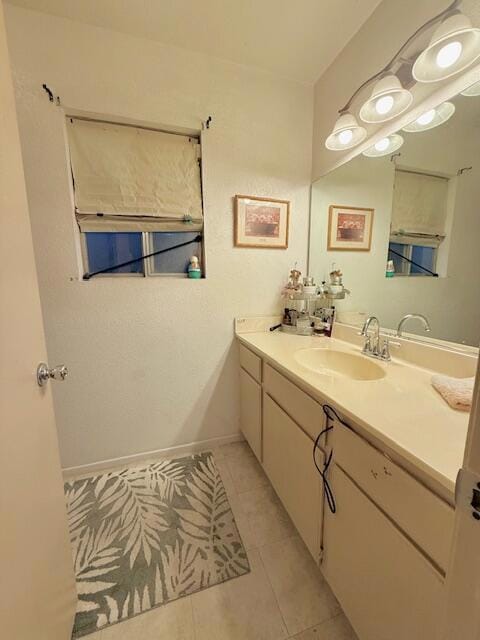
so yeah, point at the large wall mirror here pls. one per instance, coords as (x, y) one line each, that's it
(423, 256)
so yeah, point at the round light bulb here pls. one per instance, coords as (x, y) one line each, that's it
(449, 54)
(426, 118)
(384, 104)
(345, 136)
(382, 144)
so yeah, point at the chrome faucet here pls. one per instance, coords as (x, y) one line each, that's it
(368, 347)
(412, 316)
(374, 348)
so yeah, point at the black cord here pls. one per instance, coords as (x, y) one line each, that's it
(415, 264)
(327, 489)
(87, 276)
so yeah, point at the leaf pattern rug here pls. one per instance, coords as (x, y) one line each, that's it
(147, 535)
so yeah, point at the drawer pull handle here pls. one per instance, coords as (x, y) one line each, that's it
(387, 472)
(374, 473)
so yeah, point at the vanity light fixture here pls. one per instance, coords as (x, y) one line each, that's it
(472, 91)
(384, 147)
(388, 100)
(347, 133)
(432, 118)
(454, 46)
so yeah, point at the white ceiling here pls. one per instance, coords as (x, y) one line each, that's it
(294, 38)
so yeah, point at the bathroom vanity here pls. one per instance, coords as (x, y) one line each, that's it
(395, 453)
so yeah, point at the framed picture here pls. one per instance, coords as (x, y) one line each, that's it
(349, 228)
(261, 222)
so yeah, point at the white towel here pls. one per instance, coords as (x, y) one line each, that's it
(458, 392)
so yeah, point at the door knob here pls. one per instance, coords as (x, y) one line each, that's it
(44, 373)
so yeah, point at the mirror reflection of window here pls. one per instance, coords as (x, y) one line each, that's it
(419, 218)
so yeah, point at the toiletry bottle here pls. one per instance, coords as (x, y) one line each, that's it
(309, 287)
(194, 270)
(390, 272)
(328, 318)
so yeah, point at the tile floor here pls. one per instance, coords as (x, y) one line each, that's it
(283, 597)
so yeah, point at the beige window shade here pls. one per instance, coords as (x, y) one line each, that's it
(419, 205)
(136, 179)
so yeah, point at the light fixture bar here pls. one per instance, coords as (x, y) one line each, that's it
(388, 67)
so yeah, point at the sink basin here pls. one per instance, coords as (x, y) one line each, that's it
(340, 362)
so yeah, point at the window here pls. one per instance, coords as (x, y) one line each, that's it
(106, 249)
(419, 213)
(137, 191)
(412, 260)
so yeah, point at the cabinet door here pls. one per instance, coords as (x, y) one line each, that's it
(251, 412)
(387, 588)
(288, 462)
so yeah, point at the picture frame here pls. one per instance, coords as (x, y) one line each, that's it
(261, 222)
(349, 228)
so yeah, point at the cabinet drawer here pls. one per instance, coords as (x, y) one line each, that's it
(387, 588)
(424, 517)
(301, 407)
(251, 363)
(251, 412)
(287, 460)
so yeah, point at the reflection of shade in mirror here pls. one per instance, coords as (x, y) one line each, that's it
(472, 91)
(432, 118)
(384, 147)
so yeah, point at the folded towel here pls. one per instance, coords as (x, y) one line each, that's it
(458, 392)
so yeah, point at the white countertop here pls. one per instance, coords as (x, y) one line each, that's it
(402, 410)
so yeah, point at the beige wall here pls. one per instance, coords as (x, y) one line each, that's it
(152, 361)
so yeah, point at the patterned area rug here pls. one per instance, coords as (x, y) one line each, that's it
(142, 537)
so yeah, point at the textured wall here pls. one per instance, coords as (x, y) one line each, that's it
(152, 361)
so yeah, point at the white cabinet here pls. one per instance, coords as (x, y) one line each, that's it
(420, 514)
(387, 588)
(251, 412)
(288, 462)
(386, 548)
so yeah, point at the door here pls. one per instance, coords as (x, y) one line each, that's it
(37, 589)
(251, 412)
(387, 588)
(288, 462)
(463, 577)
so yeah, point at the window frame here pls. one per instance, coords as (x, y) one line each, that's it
(407, 272)
(82, 252)
(148, 263)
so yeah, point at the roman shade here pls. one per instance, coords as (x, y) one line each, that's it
(419, 209)
(129, 178)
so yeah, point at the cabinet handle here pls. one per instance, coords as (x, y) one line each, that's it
(374, 473)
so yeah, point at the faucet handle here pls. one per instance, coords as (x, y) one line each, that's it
(367, 347)
(387, 343)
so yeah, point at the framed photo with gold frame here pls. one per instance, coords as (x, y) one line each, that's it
(261, 222)
(349, 228)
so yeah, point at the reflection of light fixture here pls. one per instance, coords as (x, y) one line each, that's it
(454, 46)
(387, 101)
(473, 90)
(346, 133)
(426, 118)
(432, 118)
(384, 147)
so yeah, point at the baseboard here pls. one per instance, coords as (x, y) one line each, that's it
(173, 452)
